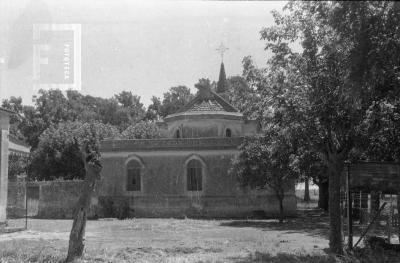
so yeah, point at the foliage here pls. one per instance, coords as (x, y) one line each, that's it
(322, 93)
(121, 110)
(141, 130)
(309, 164)
(114, 208)
(131, 106)
(242, 96)
(17, 165)
(381, 132)
(154, 109)
(14, 104)
(173, 100)
(52, 107)
(31, 125)
(58, 152)
(203, 84)
(267, 161)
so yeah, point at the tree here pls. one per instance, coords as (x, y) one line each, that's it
(32, 125)
(132, 105)
(311, 166)
(83, 108)
(141, 130)
(381, 133)
(242, 96)
(53, 107)
(122, 110)
(14, 104)
(58, 151)
(17, 165)
(174, 99)
(327, 87)
(154, 110)
(203, 84)
(91, 160)
(267, 161)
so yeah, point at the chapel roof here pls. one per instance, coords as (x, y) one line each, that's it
(207, 100)
(18, 146)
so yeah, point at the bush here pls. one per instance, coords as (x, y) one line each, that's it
(115, 208)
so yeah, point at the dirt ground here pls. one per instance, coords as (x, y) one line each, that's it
(301, 239)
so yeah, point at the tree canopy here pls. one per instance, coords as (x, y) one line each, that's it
(58, 152)
(173, 100)
(267, 161)
(141, 130)
(331, 91)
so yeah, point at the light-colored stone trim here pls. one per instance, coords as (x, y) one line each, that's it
(204, 114)
(125, 154)
(171, 144)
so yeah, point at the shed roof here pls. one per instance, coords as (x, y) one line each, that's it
(6, 110)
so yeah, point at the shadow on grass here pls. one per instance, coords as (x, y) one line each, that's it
(312, 222)
(283, 258)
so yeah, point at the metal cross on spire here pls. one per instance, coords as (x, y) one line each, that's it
(221, 49)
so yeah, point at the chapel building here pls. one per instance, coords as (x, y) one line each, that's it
(185, 173)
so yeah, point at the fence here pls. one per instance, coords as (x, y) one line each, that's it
(50, 200)
(372, 214)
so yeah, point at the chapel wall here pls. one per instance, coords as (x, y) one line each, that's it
(164, 190)
(242, 206)
(164, 172)
(197, 128)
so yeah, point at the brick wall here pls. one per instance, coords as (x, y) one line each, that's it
(164, 192)
(52, 199)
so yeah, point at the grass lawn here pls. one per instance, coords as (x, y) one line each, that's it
(302, 239)
(299, 240)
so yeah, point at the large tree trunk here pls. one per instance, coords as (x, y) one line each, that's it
(398, 216)
(356, 205)
(375, 202)
(76, 238)
(307, 190)
(281, 212)
(335, 167)
(323, 192)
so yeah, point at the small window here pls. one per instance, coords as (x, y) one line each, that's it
(228, 133)
(133, 176)
(178, 134)
(194, 176)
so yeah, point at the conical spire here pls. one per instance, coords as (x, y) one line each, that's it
(222, 84)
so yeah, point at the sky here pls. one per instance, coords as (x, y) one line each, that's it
(144, 47)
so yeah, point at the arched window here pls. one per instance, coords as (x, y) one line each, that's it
(178, 134)
(133, 182)
(194, 176)
(228, 133)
